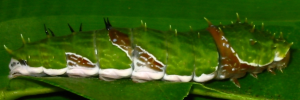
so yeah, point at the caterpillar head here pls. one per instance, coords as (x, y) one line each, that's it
(282, 54)
(281, 49)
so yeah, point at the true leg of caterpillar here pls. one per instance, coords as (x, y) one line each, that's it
(279, 64)
(284, 62)
(253, 75)
(236, 82)
(271, 71)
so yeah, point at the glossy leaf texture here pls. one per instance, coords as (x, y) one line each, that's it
(93, 88)
(27, 18)
(20, 87)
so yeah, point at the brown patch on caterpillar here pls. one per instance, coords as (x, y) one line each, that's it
(148, 60)
(121, 40)
(74, 59)
(231, 66)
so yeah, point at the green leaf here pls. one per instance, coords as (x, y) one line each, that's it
(24, 87)
(93, 88)
(199, 89)
(27, 18)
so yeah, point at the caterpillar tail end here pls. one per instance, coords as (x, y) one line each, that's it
(8, 50)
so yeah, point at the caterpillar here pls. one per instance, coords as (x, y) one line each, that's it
(144, 54)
